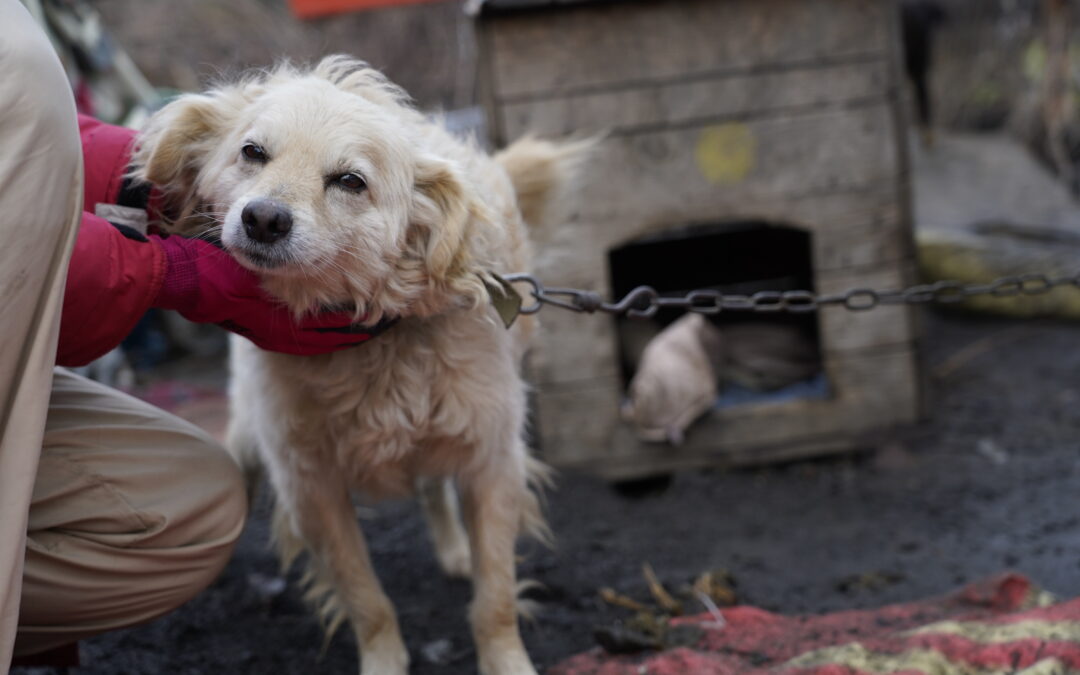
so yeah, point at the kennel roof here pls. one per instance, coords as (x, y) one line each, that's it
(502, 6)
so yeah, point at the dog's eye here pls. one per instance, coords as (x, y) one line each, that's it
(253, 152)
(351, 181)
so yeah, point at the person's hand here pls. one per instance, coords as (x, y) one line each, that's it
(207, 285)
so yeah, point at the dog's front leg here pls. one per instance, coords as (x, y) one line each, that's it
(493, 500)
(315, 512)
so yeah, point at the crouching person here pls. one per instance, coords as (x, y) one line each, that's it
(112, 512)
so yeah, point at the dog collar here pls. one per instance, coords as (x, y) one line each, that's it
(361, 331)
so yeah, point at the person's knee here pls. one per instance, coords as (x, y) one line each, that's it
(221, 486)
(209, 516)
(191, 497)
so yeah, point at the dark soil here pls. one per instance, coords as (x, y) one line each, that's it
(988, 484)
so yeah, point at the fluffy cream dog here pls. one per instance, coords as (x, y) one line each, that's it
(330, 185)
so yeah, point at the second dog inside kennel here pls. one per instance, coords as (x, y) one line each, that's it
(755, 356)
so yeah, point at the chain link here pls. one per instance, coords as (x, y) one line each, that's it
(645, 301)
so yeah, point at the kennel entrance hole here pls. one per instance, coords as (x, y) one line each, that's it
(741, 257)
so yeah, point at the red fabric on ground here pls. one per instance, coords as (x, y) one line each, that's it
(994, 624)
(311, 9)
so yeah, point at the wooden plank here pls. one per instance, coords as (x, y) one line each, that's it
(697, 174)
(648, 464)
(605, 45)
(843, 330)
(682, 103)
(850, 229)
(874, 243)
(869, 391)
(580, 427)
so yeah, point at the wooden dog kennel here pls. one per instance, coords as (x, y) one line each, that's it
(721, 116)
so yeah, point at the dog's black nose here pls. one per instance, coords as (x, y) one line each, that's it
(265, 220)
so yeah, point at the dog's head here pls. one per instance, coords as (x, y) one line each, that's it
(323, 182)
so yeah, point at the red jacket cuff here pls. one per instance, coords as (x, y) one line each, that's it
(112, 280)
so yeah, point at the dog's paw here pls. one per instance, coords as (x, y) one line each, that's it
(456, 561)
(387, 660)
(506, 662)
(384, 652)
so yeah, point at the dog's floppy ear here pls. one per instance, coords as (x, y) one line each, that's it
(443, 213)
(177, 139)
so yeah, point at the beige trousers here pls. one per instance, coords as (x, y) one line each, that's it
(120, 511)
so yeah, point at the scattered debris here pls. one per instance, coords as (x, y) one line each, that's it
(663, 598)
(267, 587)
(992, 450)
(610, 596)
(647, 631)
(622, 640)
(440, 652)
(651, 627)
(718, 619)
(717, 585)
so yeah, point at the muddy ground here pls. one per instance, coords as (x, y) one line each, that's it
(988, 484)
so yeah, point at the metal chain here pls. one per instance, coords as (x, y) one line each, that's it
(645, 301)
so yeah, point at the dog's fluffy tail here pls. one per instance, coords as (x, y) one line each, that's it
(544, 174)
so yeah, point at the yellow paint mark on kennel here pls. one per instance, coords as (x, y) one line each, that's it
(726, 152)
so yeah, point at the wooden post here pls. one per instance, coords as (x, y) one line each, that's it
(1056, 108)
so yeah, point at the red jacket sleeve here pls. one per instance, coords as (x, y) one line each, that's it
(106, 155)
(110, 284)
(112, 279)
